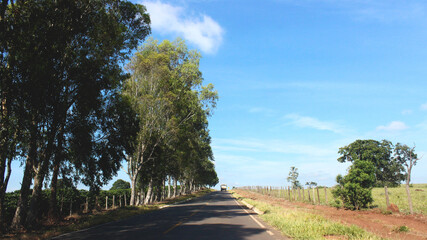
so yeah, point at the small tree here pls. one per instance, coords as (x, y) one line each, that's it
(293, 177)
(311, 184)
(355, 189)
(120, 184)
(408, 158)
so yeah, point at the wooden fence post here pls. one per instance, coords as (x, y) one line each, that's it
(386, 196)
(114, 201)
(303, 195)
(299, 194)
(314, 197)
(125, 200)
(289, 193)
(318, 195)
(294, 195)
(308, 193)
(326, 196)
(106, 202)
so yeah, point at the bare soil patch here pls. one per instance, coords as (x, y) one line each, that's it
(371, 220)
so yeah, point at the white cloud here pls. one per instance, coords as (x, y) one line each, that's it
(423, 106)
(200, 30)
(393, 126)
(302, 121)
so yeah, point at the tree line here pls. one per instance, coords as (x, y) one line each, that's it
(70, 111)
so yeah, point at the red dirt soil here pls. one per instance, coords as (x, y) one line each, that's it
(371, 220)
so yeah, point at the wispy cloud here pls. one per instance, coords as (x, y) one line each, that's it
(309, 122)
(423, 107)
(200, 30)
(393, 126)
(407, 112)
(271, 146)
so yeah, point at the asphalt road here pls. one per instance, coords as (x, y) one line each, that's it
(214, 216)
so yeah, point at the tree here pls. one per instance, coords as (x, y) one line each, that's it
(355, 189)
(408, 158)
(120, 184)
(63, 61)
(165, 90)
(388, 172)
(293, 177)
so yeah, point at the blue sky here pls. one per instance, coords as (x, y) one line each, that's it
(298, 79)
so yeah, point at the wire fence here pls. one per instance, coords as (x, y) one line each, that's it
(314, 195)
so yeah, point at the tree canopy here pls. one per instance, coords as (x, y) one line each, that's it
(120, 184)
(388, 171)
(166, 93)
(60, 74)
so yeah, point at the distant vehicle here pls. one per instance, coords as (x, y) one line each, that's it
(223, 187)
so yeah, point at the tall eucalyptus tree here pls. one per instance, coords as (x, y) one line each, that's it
(63, 61)
(166, 92)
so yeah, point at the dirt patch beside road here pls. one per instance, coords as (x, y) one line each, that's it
(372, 220)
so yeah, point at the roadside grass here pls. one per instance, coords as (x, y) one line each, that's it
(299, 224)
(79, 222)
(397, 196)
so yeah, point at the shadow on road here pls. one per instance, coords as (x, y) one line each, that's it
(213, 216)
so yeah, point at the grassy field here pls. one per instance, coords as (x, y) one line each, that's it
(299, 224)
(397, 196)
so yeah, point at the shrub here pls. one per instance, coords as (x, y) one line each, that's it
(355, 189)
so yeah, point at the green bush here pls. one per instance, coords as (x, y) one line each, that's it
(355, 189)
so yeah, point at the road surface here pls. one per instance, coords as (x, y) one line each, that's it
(214, 216)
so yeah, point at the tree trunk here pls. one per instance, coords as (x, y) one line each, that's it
(387, 200)
(169, 187)
(53, 212)
(18, 221)
(163, 190)
(141, 202)
(408, 192)
(42, 169)
(133, 190)
(149, 192)
(34, 207)
(3, 188)
(175, 184)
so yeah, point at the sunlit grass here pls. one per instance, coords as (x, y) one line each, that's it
(299, 224)
(397, 196)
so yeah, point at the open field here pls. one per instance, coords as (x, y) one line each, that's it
(397, 196)
(303, 220)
